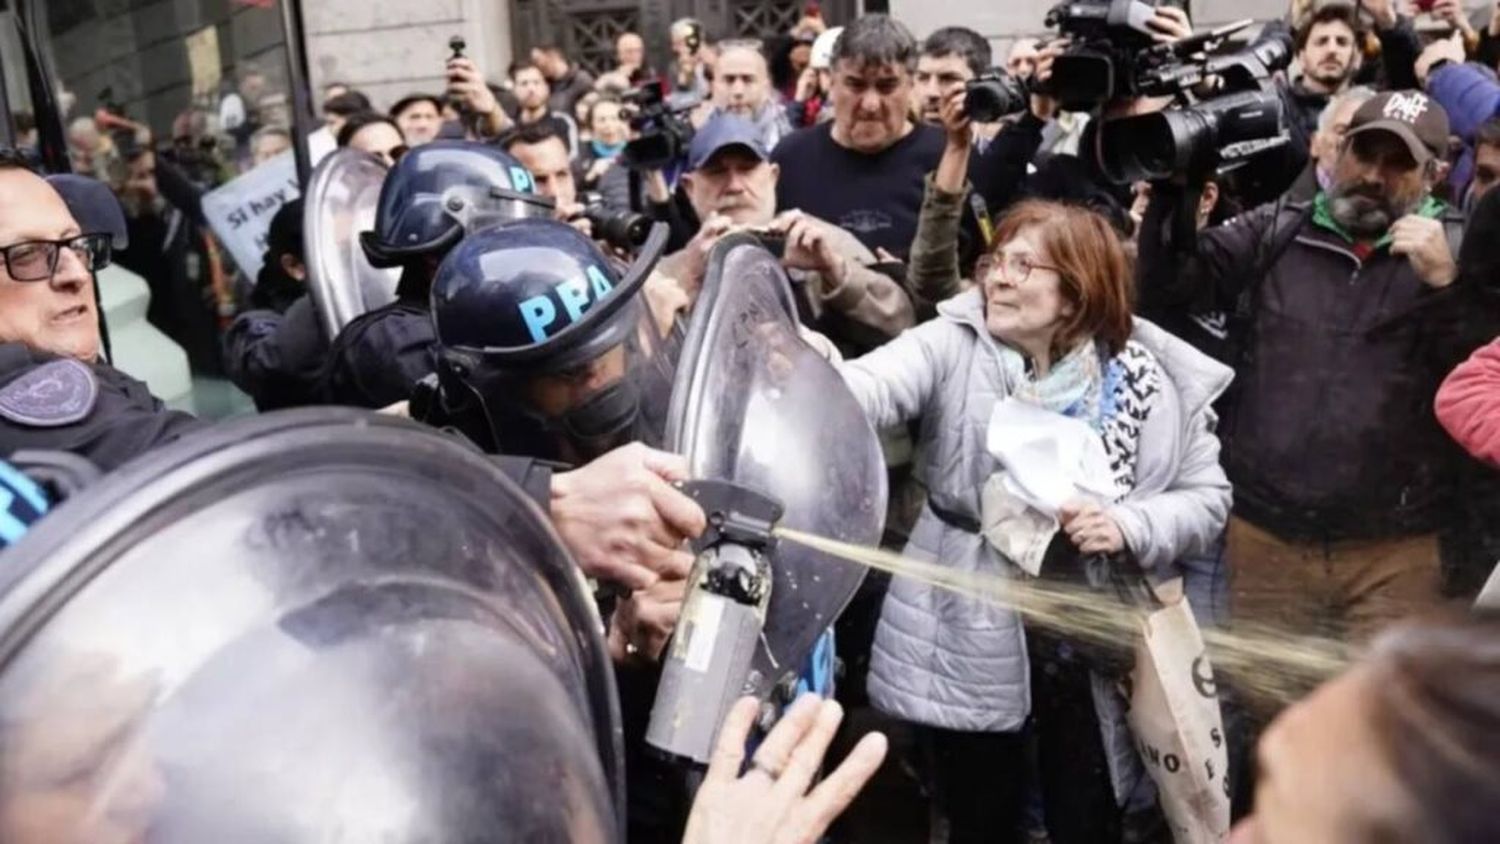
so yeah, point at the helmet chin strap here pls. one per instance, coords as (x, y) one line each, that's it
(606, 420)
(603, 421)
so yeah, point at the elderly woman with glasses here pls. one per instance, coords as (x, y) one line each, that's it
(1048, 330)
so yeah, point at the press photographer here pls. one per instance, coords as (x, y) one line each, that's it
(863, 171)
(544, 154)
(731, 183)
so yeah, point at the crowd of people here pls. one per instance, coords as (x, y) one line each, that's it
(1273, 387)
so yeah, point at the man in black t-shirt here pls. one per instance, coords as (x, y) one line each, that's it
(864, 170)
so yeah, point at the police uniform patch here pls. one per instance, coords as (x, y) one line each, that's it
(54, 394)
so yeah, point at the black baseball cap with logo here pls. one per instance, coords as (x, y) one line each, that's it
(1412, 116)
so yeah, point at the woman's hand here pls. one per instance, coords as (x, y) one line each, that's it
(771, 802)
(1090, 529)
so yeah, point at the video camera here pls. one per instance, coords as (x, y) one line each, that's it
(1198, 137)
(662, 126)
(1110, 48)
(1113, 55)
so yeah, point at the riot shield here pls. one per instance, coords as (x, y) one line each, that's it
(341, 200)
(754, 404)
(313, 625)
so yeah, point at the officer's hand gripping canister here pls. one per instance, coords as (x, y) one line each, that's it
(707, 666)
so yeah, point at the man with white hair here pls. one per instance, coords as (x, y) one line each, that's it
(1326, 141)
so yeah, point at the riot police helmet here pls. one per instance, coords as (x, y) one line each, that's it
(387, 643)
(439, 191)
(552, 339)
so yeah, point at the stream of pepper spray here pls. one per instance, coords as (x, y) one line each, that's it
(1261, 661)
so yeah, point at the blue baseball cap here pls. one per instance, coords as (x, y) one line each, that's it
(723, 131)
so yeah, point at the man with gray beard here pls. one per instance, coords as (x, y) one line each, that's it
(731, 183)
(1345, 309)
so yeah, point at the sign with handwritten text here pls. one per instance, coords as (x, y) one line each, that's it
(240, 211)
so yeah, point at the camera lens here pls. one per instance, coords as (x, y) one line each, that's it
(992, 97)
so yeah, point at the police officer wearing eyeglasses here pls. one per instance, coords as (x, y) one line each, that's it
(55, 390)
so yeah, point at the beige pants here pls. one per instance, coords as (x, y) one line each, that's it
(1343, 590)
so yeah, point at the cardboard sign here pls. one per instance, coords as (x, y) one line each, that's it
(240, 211)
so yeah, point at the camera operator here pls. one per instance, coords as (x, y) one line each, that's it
(544, 153)
(950, 57)
(1341, 331)
(864, 170)
(1328, 48)
(731, 183)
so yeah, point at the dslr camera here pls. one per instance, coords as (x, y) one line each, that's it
(624, 230)
(662, 126)
(994, 95)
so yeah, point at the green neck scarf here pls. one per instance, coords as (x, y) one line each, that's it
(1431, 208)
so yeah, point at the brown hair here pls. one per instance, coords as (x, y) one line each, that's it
(1095, 273)
(1436, 705)
(1330, 13)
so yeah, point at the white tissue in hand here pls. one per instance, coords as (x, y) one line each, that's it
(1049, 459)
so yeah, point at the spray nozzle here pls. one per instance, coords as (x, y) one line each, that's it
(737, 515)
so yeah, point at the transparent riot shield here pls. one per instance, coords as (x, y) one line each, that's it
(310, 626)
(341, 200)
(754, 404)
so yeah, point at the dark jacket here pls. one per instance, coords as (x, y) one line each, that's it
(92, 410)
(277, 358)
(1329, 430)
(567, 91)
(379, 357)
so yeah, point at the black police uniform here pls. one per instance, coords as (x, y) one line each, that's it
(426, 201)
(532, 297)
(92, 410)
(380, 356)
(277, 358)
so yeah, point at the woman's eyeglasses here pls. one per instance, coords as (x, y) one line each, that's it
(36, 260)
(1014, 268)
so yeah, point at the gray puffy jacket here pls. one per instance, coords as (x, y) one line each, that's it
(945, 660)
